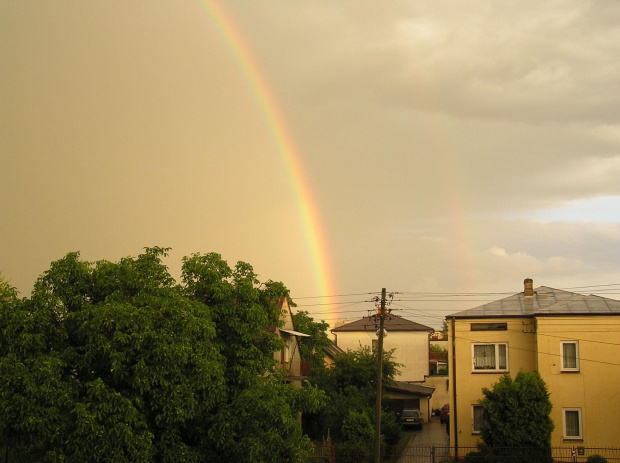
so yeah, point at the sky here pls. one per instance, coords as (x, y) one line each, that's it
(443, 150)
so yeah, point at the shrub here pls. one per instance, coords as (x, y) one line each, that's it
(517, 411)
(596, 459)
(390, 428)
(357, 429)
(475, 457)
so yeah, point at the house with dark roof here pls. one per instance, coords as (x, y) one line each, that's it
(571, 339)
(410, 342)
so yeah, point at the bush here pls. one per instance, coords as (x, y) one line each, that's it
(357, 429)
(596, 459)
(516, 412)
(390, 428)
(475, 457)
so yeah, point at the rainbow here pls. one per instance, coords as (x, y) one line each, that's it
(306, 206)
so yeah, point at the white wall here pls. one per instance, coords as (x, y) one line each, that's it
(411, 349)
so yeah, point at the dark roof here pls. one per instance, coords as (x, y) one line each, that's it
(404, 386)
(391, 323)
(545, 301)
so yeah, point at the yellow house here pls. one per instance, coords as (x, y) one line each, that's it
(571, 339)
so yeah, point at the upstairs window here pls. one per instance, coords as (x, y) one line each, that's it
(490, 357)
(570, 355)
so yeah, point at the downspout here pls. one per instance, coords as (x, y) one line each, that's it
(453, 407)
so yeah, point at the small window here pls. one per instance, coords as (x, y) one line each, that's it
(375, 345)
(570, 355)
(489, 326)
(572, 423)
(490, 357)
(477, 418)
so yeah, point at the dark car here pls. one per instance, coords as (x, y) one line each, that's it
(444, 412)
(411, 418)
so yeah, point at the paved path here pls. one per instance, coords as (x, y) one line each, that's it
(420, 445)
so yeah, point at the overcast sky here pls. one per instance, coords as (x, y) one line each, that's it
(449, 146)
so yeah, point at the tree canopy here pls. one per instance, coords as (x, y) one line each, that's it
(118, 362)
(311, 348)
(350, 386)
(516, 412)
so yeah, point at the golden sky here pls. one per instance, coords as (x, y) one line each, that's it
(449, 146)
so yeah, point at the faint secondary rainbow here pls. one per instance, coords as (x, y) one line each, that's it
(309, 215)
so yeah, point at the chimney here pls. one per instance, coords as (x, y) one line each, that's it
(528, 287)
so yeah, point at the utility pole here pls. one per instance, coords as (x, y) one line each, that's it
(379, 379)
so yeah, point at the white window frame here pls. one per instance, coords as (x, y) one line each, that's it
(578, 410)
(473, 421)
(565, 368)
(489, 370)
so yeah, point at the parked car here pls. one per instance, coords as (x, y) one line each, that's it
(443, 414)
(411, 418)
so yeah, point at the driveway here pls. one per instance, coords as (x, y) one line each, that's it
(432, 438)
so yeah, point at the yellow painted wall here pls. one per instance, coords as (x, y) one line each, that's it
(594, 389)
(469, 383)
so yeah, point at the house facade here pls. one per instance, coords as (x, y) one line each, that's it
(571, 339)
(289, 357)
(410, 342)
(408, 339)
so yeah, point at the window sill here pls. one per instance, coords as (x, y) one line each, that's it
(490, 371)
(570, 371)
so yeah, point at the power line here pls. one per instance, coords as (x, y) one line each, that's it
(332, 303)
(605, 288)
(336, 295)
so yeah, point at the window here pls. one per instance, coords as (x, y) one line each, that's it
(490, 357)
(488, 326)
(477, 418)
(572, 423)
(570, 355)
(375, 345)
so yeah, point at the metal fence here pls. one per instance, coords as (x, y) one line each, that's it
(443, 454)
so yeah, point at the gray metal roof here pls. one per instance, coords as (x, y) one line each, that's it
(546, 301)
(391, 323)
(332, 350)
(294, 333)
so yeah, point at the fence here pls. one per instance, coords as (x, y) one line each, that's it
(442, 454)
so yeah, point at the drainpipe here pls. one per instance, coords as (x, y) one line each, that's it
(453, 408)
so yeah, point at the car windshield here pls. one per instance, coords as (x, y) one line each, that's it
(411, 413)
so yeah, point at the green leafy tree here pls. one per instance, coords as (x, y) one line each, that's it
(311, 348)
(444, 329)
(117, 362)
(350, 386)
(517, 412)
